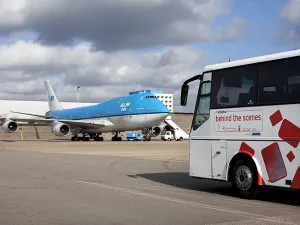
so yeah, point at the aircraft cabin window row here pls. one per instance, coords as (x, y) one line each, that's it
(276, 82)
(149, 110)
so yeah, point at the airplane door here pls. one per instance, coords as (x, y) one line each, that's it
(219, 159)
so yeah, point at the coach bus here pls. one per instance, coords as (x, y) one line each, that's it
(246, 123)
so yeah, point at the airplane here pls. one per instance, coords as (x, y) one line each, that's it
(140, 111)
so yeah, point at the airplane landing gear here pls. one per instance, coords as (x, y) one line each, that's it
(116, 137)
(147, 137)
(147, 134)
(75, 138)
(84, 137)
(97, 137)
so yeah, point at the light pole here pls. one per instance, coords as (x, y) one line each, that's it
(78, 90)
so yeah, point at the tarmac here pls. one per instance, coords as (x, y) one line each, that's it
(113, 183)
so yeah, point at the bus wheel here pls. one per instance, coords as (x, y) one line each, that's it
(244, 179)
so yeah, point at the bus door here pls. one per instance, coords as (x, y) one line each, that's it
(218, 152)
(200, 139)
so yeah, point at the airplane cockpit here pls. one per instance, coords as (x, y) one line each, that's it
(151, 96)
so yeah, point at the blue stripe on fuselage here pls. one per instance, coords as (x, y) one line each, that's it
(142, 103)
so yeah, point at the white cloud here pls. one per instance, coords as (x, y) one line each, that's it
(119, 24)
(291, 11)
(102, 75)
(11, 13)
(106, 65)
(291, 14)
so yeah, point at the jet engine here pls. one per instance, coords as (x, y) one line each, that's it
(60, 129)
(156, 131)
(10, 126)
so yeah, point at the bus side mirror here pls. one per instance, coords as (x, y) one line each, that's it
(184, 94)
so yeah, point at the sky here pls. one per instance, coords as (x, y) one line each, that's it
(110, 47)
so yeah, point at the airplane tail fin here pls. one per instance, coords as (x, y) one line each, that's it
(52, 99)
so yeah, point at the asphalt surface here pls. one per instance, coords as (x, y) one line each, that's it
(38, 186)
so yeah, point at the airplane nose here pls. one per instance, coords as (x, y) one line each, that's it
(162, 108)
(165, 111)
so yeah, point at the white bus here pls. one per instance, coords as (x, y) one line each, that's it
(246, 123)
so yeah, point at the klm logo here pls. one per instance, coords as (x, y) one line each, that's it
(125, 104)
(51, 98)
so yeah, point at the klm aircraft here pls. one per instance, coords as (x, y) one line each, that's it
(139, 111)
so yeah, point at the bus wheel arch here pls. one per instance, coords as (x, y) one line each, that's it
(244, 175)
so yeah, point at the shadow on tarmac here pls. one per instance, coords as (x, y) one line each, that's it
(184, 181)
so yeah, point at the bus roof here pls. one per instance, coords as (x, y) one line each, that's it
(253, 60)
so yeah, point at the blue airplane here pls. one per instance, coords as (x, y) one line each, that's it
(139, 111)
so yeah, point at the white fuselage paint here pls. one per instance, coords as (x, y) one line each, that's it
(128, 122)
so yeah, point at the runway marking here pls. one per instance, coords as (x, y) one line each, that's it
(131, 191)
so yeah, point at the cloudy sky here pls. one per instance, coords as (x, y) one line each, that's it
(109, 47)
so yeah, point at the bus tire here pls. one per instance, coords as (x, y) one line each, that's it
(244, 179)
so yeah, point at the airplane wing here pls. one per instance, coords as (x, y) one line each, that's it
(30, 114)
(71, 123)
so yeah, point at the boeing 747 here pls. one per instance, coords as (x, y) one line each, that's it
(139, 111)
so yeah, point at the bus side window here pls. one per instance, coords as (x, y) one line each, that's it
(235, 87)
(279, 81)
(295, 93)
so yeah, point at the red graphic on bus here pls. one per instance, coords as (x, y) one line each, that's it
(272, 154)
(274, 162)
(290, 133)
(276, 118)
(296, 180)
(246, 149)
(290, 156)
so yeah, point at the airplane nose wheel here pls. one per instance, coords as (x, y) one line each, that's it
(147, 134)
(147, 137)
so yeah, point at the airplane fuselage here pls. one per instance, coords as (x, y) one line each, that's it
(132, 112)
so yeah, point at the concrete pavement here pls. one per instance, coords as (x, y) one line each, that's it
(62, 182)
